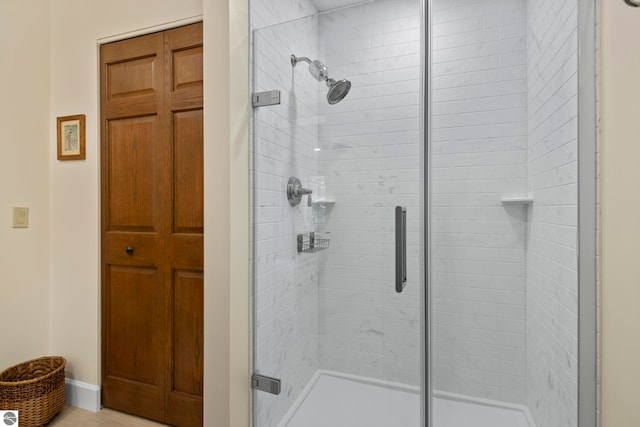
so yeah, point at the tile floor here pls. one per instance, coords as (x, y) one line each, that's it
(75, 417)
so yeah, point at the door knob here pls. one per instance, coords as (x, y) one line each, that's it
(129, 250)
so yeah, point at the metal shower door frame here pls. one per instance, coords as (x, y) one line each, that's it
(425, 211)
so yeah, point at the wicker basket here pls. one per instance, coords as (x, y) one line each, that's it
(35, 389)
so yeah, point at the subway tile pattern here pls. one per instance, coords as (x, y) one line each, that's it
(552, 279)
(284, 136)
(369, 159)
(265, 13)
(479, 156)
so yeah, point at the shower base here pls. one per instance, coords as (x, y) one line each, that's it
(340, 400)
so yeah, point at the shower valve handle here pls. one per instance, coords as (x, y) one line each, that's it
(299, 191)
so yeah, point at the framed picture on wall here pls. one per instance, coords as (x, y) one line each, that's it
(71, 137)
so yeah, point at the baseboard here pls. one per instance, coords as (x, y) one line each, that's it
(83, 395)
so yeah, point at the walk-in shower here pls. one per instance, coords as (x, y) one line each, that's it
(467, 117)
(338, 89)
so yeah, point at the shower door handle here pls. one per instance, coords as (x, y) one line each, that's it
(401, 248)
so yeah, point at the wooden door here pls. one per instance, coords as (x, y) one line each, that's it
(152, 225)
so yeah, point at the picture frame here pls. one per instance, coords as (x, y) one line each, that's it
(71, 137)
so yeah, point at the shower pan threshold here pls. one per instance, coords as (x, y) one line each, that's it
(342, 400)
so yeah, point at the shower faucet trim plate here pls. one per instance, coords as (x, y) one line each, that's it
(295, 191)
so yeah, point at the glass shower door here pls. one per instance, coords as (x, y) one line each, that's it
(336, 219)
(504, 213)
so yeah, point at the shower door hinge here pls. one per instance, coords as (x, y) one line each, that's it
(264, 99)
(262, 383)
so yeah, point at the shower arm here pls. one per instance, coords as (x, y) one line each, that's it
(322, 73)
(295, 59)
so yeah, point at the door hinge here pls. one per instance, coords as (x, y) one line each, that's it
(264, 99)
(266, 384)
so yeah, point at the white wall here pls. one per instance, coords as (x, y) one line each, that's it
(620, 174)
(286, 284)
(479, 156)
(238, 111)
(552, 278)
(49, 67)
(370, 162)
(226, 196)
(24, 171)
(76, 27)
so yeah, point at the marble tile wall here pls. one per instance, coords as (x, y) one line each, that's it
(286, 283)
(265, 13)
(552, 279)
(370, 158)
(479, 156)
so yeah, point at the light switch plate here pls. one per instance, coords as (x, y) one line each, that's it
(20, 217)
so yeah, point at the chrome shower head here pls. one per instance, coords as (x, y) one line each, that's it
(337, 89)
